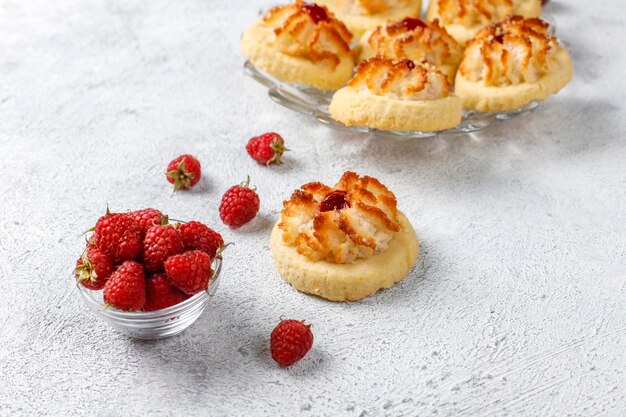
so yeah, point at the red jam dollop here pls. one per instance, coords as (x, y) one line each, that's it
(410, 23)
(317, 13)
(335, 200)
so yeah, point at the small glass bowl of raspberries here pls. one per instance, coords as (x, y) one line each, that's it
(147, 276)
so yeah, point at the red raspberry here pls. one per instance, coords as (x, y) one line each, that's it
(184, 172)
(199, 236)
(267, 148)
(290, 341)
(190, 272)
(146, 218)
(160, 294)
(161, 242)
(91, 242)
(118, 235)
(239, 205)
(93, 268)
(126, 288)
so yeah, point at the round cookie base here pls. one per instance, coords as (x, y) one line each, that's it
(477, 96)
(347, 282)
(362, 108)
(258, 47)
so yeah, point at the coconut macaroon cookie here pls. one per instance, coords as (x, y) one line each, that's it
(416, 40)
(343, 243)
(510, 64)
(402, 95)
(301, 43)
(362, 15)
(464, 18)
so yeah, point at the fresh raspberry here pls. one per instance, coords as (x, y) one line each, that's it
(239, 205)
(161, 242)
(184, 172)
(146, 218)
(126, 288)
(267, 148)
(290, 341)
(93, 268)
(190, 272)
(91, 242)
(118, 235)
(199, 236)
(160, 294)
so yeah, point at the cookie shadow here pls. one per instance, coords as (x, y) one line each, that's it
(562, 129)
(558, 7)
(407, 292)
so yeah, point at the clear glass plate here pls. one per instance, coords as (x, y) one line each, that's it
(313, 102)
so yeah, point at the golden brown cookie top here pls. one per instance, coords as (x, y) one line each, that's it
(417, 40)
(514, 51)
(403, 80)
(309, 31)
(475, 12)
(353, 220)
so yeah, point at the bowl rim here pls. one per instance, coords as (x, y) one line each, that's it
(177, 308)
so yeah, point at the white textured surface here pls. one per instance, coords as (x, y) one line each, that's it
(517, 306)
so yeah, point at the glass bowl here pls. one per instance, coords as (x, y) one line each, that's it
(154, 324)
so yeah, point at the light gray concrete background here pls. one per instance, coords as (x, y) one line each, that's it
(516, 307)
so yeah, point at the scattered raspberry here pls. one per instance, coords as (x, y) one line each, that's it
(93, 268)
(190, 272)
(239, 205)
(147, 218)
(126, 288)
(290, 341)
(199, 236)
(184, 172)
(267, 148)
(118, 235)
(161, 242)
(160, 294)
